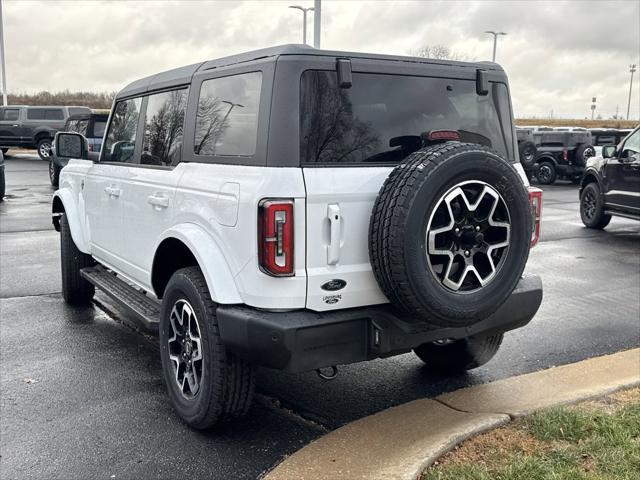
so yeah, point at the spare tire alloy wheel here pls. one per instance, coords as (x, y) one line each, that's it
(527, 150)
(449, 234)
(468, 236)
(185, 348)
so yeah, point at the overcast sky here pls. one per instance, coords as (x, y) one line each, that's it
(557, 54)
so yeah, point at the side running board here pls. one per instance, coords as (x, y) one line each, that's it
(145, 309)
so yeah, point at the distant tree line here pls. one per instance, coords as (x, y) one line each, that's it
(66, 97)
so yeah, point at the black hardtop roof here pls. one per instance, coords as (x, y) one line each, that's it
(182, 75)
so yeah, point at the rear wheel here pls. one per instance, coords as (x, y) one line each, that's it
(546, 173)
(457, 356)
(592, 208)
(75, 289)
(206, 383)
(44, 148)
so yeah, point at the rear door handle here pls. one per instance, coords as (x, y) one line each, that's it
(113, 191)
(333, 250)
(158, 200)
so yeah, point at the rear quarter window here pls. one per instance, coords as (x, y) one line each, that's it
(227, 115)
(381, 118)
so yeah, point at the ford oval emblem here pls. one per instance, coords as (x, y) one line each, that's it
(333, 285)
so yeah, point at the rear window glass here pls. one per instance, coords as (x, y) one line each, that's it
(381, 118)
(9, 114)
(227, 116)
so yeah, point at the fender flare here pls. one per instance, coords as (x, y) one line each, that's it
(211, 260)
(547, 156)
(63, 202)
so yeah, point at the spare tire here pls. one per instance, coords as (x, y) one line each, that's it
(583, 152)
(527, 151)
(449, 234)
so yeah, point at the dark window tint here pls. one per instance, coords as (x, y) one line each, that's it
(605, 140)
(227, 117)
(98, 128)
(164, 128)
(383, 118)
(9, 114)
(121, 139)
(53, 114)
(35, 114)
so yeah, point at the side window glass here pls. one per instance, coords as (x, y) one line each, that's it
(71, 126)
(121, 138)
(164, 128)
(227, 116)
(35, 114)
(98, 128)
(632, 145)
(53, 114)
(9, 114)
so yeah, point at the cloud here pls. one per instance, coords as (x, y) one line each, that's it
(557, 54)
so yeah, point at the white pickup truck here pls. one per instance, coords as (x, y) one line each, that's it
(300, 209)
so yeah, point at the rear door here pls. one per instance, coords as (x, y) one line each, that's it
(351, 139)
(150, 188)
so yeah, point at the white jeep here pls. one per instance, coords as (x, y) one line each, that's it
(300, 209)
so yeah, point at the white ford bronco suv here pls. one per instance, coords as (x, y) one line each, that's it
(300, 209)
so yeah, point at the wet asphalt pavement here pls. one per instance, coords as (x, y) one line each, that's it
(81, 392)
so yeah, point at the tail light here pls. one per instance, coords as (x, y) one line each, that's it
(275, 237)
(565, 155)
(535, 202)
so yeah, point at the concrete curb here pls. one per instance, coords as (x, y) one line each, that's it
(398, 443)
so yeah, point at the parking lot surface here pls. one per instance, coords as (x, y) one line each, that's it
(82, 393)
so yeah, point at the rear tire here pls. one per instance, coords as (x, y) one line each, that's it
(206, 383)
(75, 289)
(592, 208)
(44, 148)
(546, 173)
(459, 355)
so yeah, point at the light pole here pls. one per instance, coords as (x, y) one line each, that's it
(304, 20)
(495, 41)
(632, 69)
(4, 63)
(317, 22)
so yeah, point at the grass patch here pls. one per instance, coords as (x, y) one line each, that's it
(596, 440)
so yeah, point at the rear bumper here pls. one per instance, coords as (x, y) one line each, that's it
(303, 340)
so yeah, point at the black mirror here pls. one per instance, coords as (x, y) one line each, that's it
(70, 145)
(345, 79)
(608, 151)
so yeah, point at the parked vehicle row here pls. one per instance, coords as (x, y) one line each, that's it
(33, 127)
(92, 126)
(338, 208)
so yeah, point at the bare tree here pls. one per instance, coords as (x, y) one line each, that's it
(440, 52)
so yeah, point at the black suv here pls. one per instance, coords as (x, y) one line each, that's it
(91, 125)
(611, 183)
(562, 153)
(33, 127)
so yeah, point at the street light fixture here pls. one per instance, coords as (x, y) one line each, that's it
(632, 69)
(304, 20)
(495, 41)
